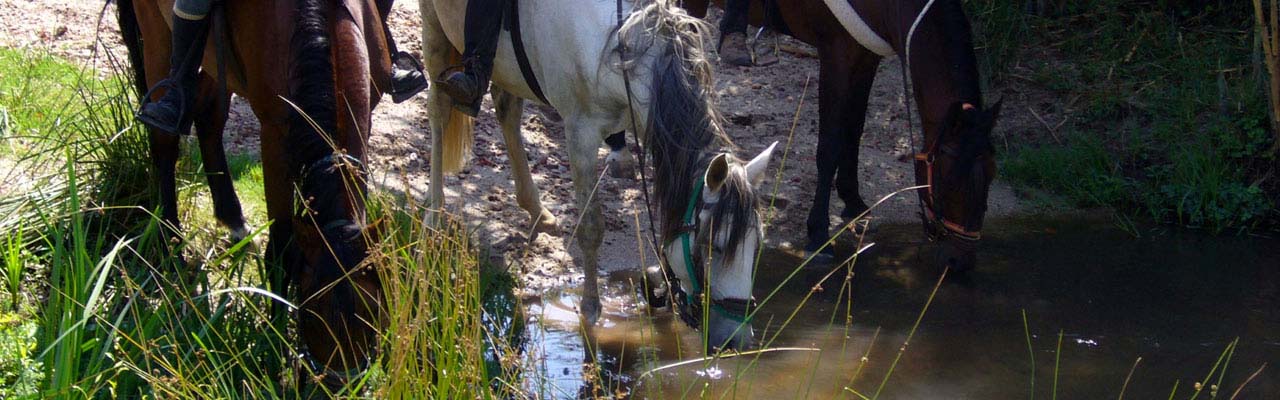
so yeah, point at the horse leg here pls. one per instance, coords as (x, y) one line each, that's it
(164, 148)
(508, 109)
(281, 254)
(210, 119)
(696, 8)
(837, 70)
(855, 100)
(584, 141)
(436, 57)
(164, 160)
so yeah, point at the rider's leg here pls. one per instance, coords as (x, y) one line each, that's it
(190, 29)
(407, 78)
(467, 85)
(733, 33)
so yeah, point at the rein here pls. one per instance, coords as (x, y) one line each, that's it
(928, 204)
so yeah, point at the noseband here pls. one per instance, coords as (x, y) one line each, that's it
(690, 303)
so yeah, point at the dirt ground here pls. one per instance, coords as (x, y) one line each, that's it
(760, 104)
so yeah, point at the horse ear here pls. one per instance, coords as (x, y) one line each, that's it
(757, 166)
(717, 172)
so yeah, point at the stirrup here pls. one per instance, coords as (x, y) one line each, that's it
(471, 109)
(172, 85)
(402, 58)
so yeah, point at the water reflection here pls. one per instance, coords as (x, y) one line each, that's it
(1174, 298)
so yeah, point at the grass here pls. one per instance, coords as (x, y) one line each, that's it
(1164, 108)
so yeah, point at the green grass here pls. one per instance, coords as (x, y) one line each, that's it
(1167, 112)
(35, 91)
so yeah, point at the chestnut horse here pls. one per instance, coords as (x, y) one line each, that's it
(311, 70)
(956, 158)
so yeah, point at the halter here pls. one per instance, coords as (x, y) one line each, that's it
(691, 302)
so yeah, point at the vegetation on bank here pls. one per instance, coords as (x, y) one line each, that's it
(1159, 107)
(94, 304)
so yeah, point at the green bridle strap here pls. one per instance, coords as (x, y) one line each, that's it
(688, 252)
(688, 255)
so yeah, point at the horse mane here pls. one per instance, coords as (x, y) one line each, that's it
(682, 121)
(957, 40)
(311, 81)
(314, 122)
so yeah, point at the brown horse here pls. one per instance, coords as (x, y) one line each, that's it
(956, 158)
(311, 70)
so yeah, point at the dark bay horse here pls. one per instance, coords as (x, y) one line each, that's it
(956, 157)
(327, 58)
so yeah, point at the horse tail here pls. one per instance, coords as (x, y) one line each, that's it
(311, 86)
(459, 132)
(131, 35)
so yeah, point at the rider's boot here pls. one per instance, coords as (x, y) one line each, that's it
(467, 83)
(734, 49)
(407, 79)
(171, 112)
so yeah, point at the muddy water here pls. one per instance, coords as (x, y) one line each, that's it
(1175, 299)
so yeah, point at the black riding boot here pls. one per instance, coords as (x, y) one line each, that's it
(407, 79)
(468, 83)
(170, 112)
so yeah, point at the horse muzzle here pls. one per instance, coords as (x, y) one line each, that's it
(958, 254)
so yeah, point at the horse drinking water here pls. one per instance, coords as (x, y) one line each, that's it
(608, 67)
(955, 158)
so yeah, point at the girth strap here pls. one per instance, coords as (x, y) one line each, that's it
(522, 57)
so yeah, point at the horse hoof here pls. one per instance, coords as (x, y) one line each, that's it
(238, 235)
(819, 258)
(546, 223)
(589, 310)
(621, 165)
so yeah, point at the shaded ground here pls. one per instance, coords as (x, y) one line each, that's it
(760, 104)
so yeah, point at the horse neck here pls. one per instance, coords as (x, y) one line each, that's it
(943, 68)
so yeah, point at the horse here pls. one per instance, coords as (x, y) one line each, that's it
(637, 66)
(956, 160)
(297, 63)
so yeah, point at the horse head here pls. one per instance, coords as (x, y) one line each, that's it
(958, 165)
(339, 290)
(713, 255)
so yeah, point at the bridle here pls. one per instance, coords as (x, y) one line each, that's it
(690, 303)
(936, 225)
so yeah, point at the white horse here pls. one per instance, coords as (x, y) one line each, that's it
(705, 201)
